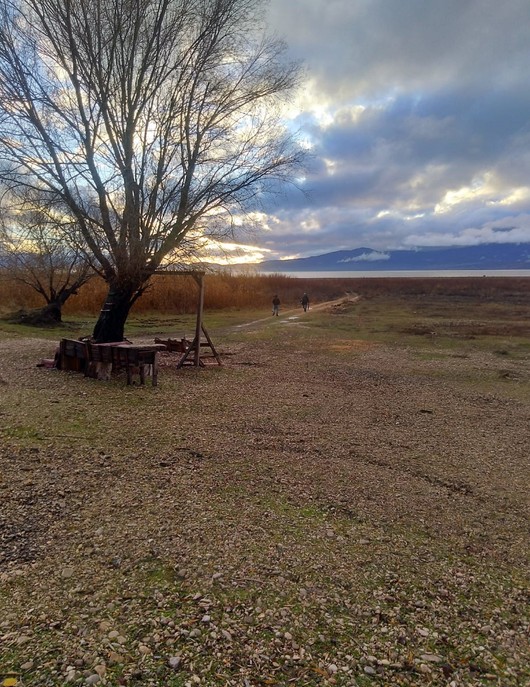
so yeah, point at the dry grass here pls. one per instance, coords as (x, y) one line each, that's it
(341, 504)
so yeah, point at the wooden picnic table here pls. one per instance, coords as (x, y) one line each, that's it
(123, 354)
(98, 360)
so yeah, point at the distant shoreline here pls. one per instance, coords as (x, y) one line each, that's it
(350, 274)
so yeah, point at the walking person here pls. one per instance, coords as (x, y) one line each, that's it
(275, 305)
(305, 302)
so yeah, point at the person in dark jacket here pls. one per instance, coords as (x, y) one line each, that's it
(275, 305)
(305, 302)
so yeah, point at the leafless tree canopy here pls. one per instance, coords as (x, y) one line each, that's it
(153, 120)
(33, 251)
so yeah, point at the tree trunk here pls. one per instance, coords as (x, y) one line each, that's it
(52, 312)
(111, 323)
(47, 316)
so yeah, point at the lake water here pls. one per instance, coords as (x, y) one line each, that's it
(357, 274)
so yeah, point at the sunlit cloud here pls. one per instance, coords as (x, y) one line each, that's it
(311, 224)
(514, 197)
(479, 190)
(227, 253)
(290, 257)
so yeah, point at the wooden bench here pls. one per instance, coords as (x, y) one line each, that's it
(142, 358)
(98, 360)
(73, 355)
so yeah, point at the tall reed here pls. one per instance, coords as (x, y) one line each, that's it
(225, 290)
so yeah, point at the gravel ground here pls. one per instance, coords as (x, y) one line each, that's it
(311, 513)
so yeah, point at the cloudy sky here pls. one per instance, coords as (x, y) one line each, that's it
(417, 115)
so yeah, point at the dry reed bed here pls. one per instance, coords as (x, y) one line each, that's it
(226, 290)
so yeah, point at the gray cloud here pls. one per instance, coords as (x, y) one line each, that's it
(355, 48)
(425, 136)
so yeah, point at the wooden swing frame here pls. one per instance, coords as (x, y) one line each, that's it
(195, 347)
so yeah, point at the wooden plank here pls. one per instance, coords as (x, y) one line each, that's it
(210, 343)
(73, 355)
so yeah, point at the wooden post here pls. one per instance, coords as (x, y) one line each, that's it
(154, 370)
(211, 345)
(198, 327)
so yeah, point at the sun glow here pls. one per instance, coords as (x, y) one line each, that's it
(230, 253)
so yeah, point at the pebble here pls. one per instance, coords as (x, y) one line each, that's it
(143, 649)
(93, 679)
(369, 670)
(174, 662)
(431, 658)
(66, 573)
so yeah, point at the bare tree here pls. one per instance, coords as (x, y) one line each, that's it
(33, 251)
(155, 121)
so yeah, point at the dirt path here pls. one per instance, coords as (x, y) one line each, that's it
(295, 314)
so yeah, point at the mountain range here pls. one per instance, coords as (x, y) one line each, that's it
(486, 256)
